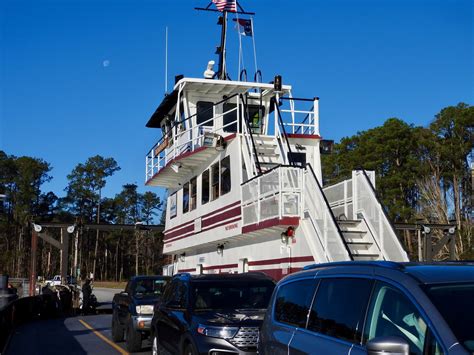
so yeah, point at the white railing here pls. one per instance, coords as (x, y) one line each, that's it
(181, 140)
(324, 225)
(301, 121)
(367, 205)
(275, 194)
(340, 199)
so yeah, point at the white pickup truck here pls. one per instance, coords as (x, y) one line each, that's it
(55, 281)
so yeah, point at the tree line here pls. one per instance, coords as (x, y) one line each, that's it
(109, 255)
(423, 174)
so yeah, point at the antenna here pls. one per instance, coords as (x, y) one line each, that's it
(166, 60)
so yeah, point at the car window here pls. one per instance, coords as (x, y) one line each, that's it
(339, 308)
(149, 287)
(454, 302)
(391, 313)
(292, 302)
(232, 294)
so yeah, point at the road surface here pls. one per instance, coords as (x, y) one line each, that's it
(79, 335)
(75, 335)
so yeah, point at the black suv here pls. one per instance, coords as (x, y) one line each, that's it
(211, 314)
(372, 308)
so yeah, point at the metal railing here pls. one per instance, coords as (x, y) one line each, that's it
(367, 205)
(326, 229)
(302, 121)
(180, 140)
(276, 193)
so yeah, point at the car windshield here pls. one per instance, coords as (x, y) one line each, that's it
(150, 287)
(232, 294)
(454, 302)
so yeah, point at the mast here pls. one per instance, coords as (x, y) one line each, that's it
(222, 71)
(221, 50)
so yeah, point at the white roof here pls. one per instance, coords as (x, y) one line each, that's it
(225, 87)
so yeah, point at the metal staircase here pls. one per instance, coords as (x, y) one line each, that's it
(360, 242)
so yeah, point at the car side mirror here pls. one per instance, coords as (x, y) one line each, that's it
(388, 345)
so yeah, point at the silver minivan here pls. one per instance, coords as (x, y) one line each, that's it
(373, 307)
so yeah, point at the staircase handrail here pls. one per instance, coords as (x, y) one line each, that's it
(285, 136)
(382, 207)
(249, 129)
(330, 211)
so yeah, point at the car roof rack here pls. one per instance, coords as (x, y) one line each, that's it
(377, 263)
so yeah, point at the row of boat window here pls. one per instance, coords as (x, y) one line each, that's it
(215, 182)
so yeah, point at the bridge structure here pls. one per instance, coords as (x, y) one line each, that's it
(43, 230)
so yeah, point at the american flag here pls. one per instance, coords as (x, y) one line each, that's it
(226, 5)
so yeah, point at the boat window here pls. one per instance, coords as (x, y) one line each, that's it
(204, 113)
(173, 209)
(186, 197)
(230, 118)
(215, 181)
(205, 187)
(255, 116)
(193, 193)
(225, 175)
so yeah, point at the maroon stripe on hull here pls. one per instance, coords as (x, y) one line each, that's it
(167, 232)
(226, 215)
(216, 267)
(203, 230)
(306, 136)
(286, 221)
(184, 230)
(187, 270)
(294, 259)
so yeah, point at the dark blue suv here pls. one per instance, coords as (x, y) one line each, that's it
(372, 308)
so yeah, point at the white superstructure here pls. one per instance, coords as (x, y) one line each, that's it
(241, 162)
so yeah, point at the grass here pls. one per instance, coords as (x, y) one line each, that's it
(110, 284)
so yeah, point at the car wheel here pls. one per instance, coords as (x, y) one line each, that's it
(189, 350)
(133, 339)
(117, 331)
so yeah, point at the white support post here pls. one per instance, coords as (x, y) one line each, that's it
(280, 197)
(316, 115)
(346, 204)
(355, 195)
(258, 200)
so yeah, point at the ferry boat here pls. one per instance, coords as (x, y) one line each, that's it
(241, 163)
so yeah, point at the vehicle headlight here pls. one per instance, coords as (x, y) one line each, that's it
(217, 332)
(144, 309)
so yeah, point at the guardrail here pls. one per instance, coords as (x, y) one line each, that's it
(274, 194)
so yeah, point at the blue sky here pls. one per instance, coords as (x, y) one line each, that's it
(82, 77)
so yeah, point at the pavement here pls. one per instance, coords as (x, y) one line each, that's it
(79, 335)
(75, 335)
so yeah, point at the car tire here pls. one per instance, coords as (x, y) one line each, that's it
(189, 349)
(117, 330)
(133, 339)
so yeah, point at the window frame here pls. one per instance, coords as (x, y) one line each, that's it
(221, 176)
(208, 194)
(215, 195)
(193, 193)
(210, 120)
(185, 206)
